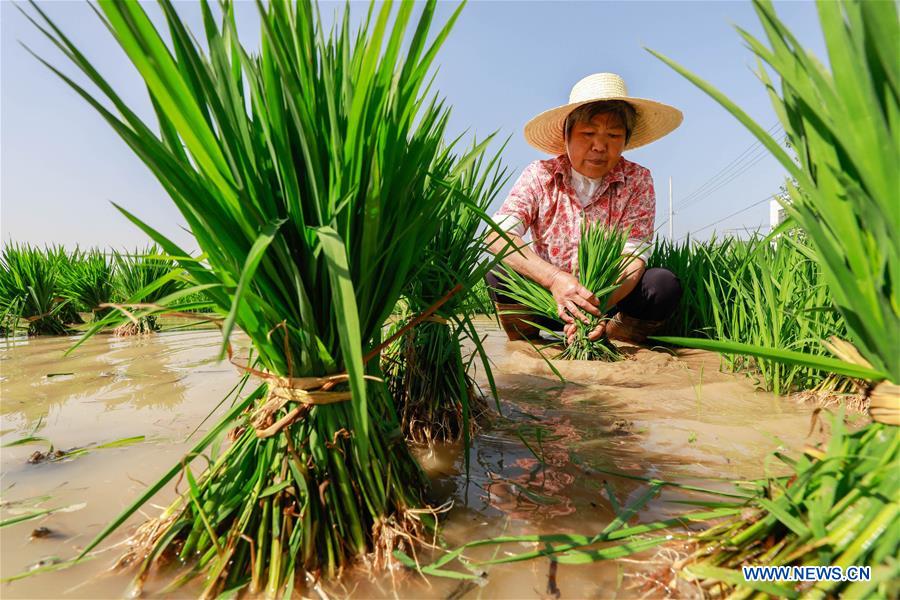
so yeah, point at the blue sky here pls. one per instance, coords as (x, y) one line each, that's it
(505, 62)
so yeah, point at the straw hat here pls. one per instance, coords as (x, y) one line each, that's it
(654, 119)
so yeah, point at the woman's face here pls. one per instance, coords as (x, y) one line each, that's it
(594, 148)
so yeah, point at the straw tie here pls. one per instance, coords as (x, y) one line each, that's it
(305, 391)
(884, 403)
(884, 399)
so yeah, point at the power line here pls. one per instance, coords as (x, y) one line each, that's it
(750, 157)
(734, 214)
(734, 176)
(728, 169)
(724, 183)
(754, 228)
(735, 163)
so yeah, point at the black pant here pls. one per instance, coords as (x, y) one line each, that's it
(654, 298)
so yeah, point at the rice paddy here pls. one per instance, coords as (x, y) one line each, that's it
(342, 240)
(51, 291)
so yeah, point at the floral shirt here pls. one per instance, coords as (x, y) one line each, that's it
(545, 201)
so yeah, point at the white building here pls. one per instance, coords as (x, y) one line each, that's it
(777, 214)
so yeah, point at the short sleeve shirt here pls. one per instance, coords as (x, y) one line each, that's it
(544, 200)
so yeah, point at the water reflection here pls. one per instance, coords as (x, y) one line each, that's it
(539, 467)
(145, 373)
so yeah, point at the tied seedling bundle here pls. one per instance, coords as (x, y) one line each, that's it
(307, 173)
(144, 277)
(88, 281)
(600, 265)
(30, 295)
(425, 368)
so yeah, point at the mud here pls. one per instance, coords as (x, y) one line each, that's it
(538, 466)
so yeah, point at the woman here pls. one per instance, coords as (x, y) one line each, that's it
(588, 179)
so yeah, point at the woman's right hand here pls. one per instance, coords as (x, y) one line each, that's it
(570, 329)
(572, 298)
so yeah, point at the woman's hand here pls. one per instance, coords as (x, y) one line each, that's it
(596, 333)
(572, 298)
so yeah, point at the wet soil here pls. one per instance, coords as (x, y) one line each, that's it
(536, 467)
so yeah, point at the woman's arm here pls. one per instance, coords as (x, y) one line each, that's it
(571, 297)
(631, 276)
(519, 211)
(523, 259)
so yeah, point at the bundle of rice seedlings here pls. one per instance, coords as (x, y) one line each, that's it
(838, 508)
(600, 265)
(144, 276)
(841, 507)
(303, 174)
(425, 368)
(86, 281)
(64, 262)
(29, 291)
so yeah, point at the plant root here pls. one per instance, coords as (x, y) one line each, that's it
(143, 326)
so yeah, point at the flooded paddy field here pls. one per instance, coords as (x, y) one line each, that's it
(537, 466)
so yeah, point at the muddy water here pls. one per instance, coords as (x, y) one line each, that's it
(536, 467)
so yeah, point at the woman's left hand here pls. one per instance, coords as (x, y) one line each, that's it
(596, 333)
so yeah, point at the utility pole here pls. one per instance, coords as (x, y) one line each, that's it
(671, 214)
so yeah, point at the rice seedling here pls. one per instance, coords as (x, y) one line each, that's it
(782, 302)
(303, 174)
(28, 509)
(693, 263)
(86, 280)
(425, 369)
(55, 454)
(600, 264)
(29, 291)
(143, 277)
(762, 293)
(64, 262)
(841, 506)
(480, 297)
(616, 540)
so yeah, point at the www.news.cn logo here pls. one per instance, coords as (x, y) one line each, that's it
(853, 573)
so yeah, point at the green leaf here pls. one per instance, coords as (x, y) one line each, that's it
(832, 365)
(247, 272)
(348, 326)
